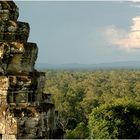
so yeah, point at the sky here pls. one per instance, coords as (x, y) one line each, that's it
(85, 32)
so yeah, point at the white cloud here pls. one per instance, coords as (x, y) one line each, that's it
(126, 40)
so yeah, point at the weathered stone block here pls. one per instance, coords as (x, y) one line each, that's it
(8, 137)
(22, 83)
(16, 47)
(41, 81)
(2, 126)
(11, 125)
(2, 123)
(1, 36)
(14, 37)
(22, 89)
(4, 83)
(14, 31)
(4, 15)
(17, 57)
(7, 50)
(3, 109)
(4, 93)
(8, 10)
(14, 65)
(29, 57)
(21, 97)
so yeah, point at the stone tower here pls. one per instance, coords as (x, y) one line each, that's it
(25, 112)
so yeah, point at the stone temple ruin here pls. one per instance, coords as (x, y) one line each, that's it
(25, 111)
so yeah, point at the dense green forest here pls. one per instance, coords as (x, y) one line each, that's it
(97, 104)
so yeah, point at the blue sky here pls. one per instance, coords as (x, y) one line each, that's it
(85, 32)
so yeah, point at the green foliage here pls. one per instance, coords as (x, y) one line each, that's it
(77, 93)
(80, 132)
(120, 119)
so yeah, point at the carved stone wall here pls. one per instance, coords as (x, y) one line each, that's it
(25, 111)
